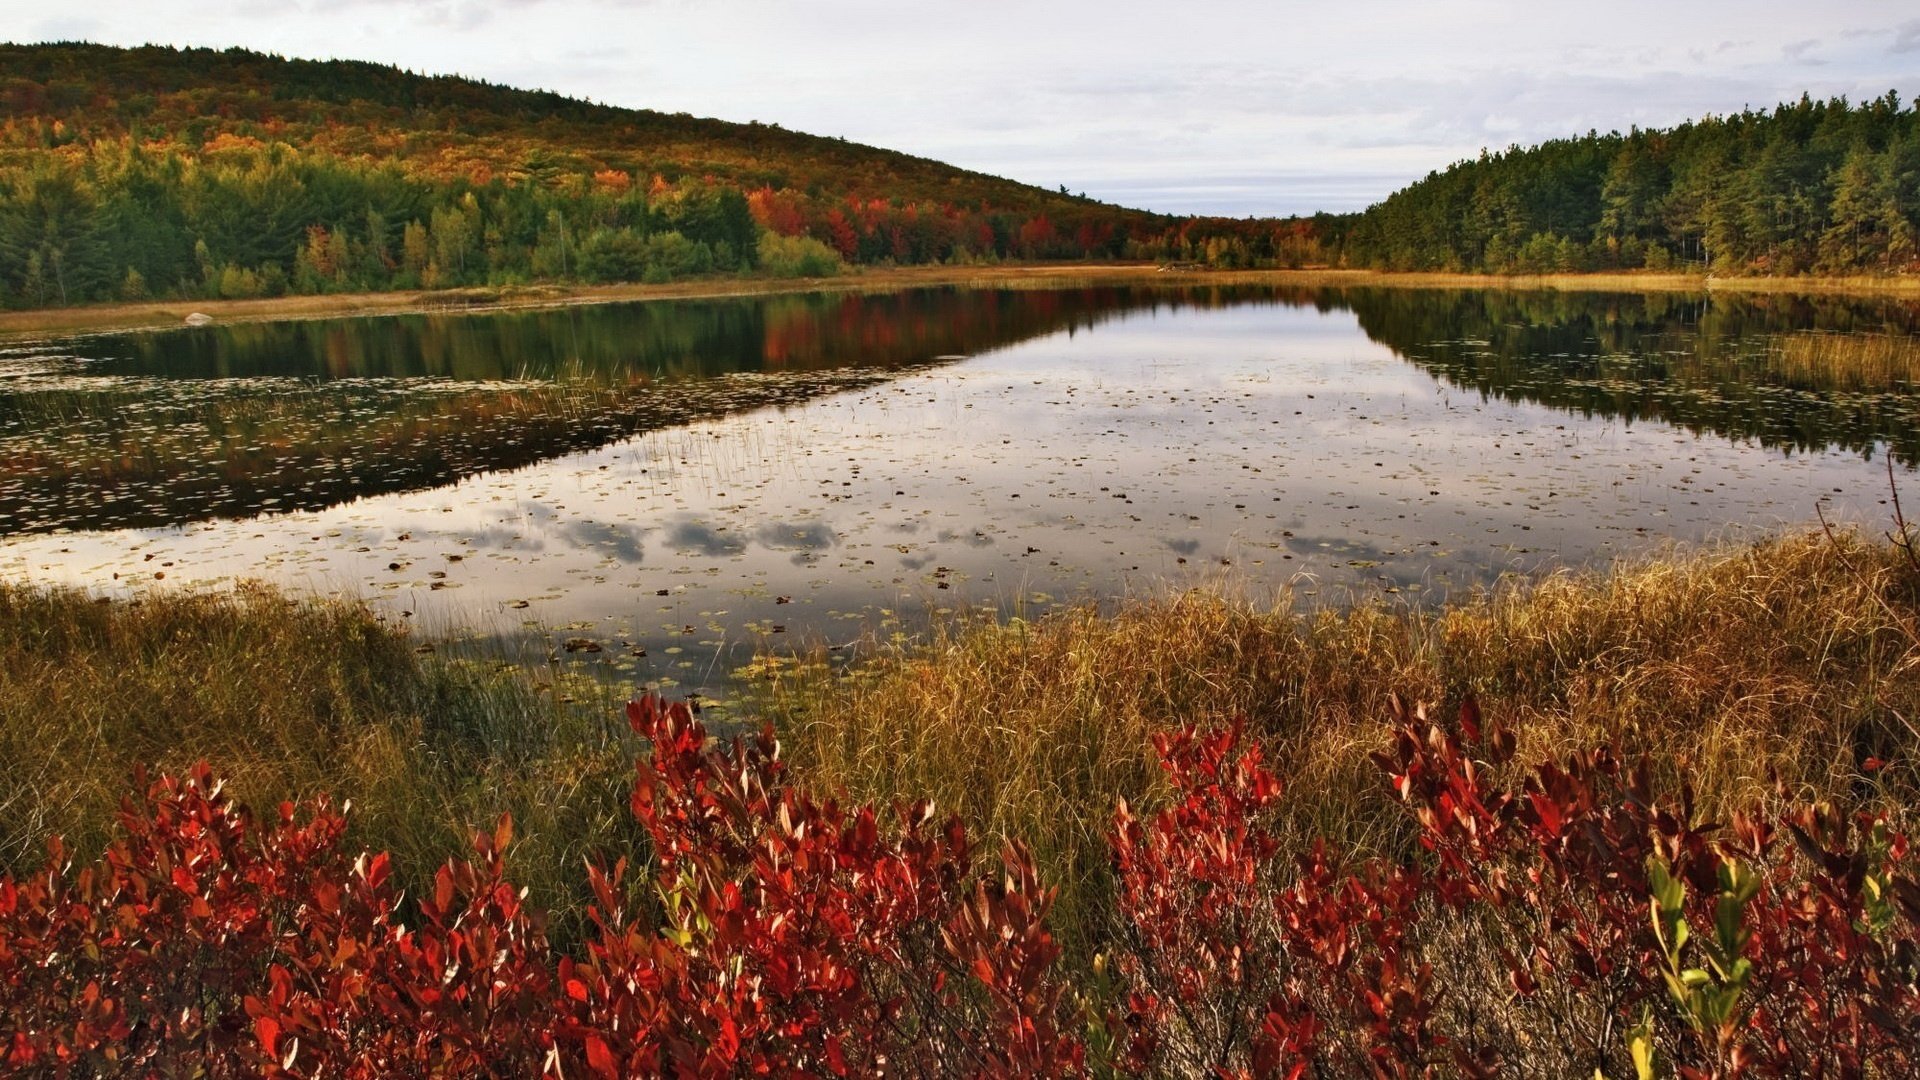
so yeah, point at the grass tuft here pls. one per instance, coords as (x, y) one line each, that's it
(290, 699)
(1763, 674)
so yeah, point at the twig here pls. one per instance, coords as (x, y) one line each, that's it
(1820, 511)
(1904, 541)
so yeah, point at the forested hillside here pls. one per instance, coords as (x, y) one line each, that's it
(1810, 187)
(129, 173)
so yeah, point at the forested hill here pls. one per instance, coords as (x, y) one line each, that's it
(1810, 187)
(442, 127)
(159, 172)
(128, 173)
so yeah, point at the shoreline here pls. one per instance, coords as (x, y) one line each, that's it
(164, 314)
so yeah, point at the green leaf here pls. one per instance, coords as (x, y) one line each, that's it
(1640, 1045)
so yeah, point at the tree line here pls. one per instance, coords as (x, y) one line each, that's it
(128, 174)
(1808, 187)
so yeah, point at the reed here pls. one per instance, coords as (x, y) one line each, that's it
(1847, 361)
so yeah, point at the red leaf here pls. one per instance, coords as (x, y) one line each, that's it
(268, 1031)
(599, 1058)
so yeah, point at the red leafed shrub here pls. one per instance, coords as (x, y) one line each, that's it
(793, 937)
(205, 943)
(1569, 923)
(800, 938)
(1561, 921)
(1229, 972)
(1630, 928)
(138, 964)
(354, 992)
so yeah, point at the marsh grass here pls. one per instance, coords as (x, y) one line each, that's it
(290, 699)
(1757, 674)
(1847, 361)
(163, 452)
(1772, 673)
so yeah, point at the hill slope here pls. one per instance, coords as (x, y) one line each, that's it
(441, 125)
(126, 173)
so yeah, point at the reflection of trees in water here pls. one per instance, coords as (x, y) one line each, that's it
(662, 338)
(1790, 372)
(227, 421)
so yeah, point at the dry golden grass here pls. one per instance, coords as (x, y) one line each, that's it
(1758, 673)
(288, 699)
(1789, 661)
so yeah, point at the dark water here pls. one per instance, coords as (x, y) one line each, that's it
(696, 480)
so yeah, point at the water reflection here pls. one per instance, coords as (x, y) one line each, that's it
(1795, 373)
(683, 495)
(621, 542)
(229, 421)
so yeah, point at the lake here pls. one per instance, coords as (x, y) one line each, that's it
(672, 486)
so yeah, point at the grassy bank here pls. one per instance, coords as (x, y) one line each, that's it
(97, 318)
(1771, 673)
(290, 698)
(1764, 674)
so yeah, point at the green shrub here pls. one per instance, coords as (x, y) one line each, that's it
(797, 256)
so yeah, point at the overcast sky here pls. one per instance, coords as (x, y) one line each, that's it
(1202, 106)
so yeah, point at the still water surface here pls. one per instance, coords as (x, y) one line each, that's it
(682, 483)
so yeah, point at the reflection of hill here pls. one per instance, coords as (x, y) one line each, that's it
(225, 422)
(1793, 373)
(677, 338)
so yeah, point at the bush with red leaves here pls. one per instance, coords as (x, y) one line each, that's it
(796, 938)
(1567, 923)
(1572, 925)
(800, 938)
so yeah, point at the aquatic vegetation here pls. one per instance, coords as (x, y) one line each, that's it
(172, 452)
(1797, 373)
(1857, 361)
